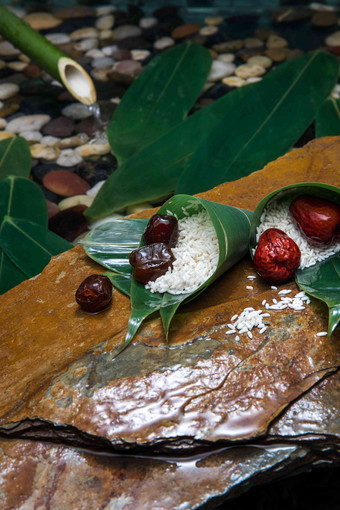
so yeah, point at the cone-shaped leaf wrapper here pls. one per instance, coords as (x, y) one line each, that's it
(110, 245)
(322, 279)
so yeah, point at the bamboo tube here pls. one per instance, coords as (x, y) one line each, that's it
(49, 57)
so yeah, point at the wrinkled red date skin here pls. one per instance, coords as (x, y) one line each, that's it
(161, 228)
(151, 261)
(277, 256)
(318, 219)
(94, 293)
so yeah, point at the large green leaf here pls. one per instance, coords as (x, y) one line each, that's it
(327, 122)
(265, 125)
(232, 227)
(15, 157)
(22, 198)
(321, 280)
(159, 99)
(238, 133)
(28, 245)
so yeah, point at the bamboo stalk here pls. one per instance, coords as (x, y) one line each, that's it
(49, 57)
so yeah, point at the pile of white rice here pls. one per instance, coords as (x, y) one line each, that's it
(277, 215)
(196, 256)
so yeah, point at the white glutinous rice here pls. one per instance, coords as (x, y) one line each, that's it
(196, 256)
(277, 215)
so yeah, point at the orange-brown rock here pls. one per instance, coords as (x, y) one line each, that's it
(186, 30)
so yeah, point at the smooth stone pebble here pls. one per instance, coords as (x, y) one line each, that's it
(42, 20)
(58, 38)
(60, 127)
(130, 67)
(121, 54)
(146, 23)
(92, 192)
(253, 42)
(249, 70)
(104, 35)
(213, 20)
(125, 31)
(226, 57)
(140, 54)
(75, 11)
(105, 22)
(102, 63)
(3, 122)
(260, 60)
(73, 141)
(69, 158)
(31, 136)
(94, 53)
(84, 33)
(278, 54)
(228, 46)
(8, 50)
(88, 126)
(333, 39)
(209, 30)
(109, 50)
(65, 183)
(163, 43)
(17, 66)
(186, 30)
(50, 140)
(93, 149)
(68, 202)
(324, 19)
(220, 70)
(100, 74)
(253, 79)
(86, 44)
(28, 123)
(77, 111)
(275, 42)
(43, 151)
(52, 209)
(8, 90)
(234, 81)
(5, 134)
(3, 64)
(69, 223)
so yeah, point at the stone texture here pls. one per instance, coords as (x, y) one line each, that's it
(65, 183)
(69, 223)
(8, 90)
(27, 122)
(42, 20)
(60, 127)
(186, 30)
(167, 395)
(124, 31)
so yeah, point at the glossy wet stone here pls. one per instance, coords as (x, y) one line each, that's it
(61, 127)
(208, 387)
(65, 183)
(69, 223)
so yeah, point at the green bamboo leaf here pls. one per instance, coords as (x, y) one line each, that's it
(232, 227)
(159, 99)
(22, 198)
(327, 122)
(321, 280)
(15, 157)
(243, 130)
(265, 125)
(10, 274)
(110, 244)
(28, 245)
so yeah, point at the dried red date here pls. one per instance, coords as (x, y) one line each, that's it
(161, 228)
(94, 293)
(151, 261)
(318, 219)
(277, 256)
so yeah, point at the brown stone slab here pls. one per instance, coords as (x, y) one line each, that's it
(206, 386)
(52, 476)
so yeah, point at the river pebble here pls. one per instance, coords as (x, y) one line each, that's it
(125, 31)
(8, 90)
(65, 183)
(76, 111)
(220, 70)
(27, 123)
(69, 158)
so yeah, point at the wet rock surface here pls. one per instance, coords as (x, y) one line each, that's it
(191, 397)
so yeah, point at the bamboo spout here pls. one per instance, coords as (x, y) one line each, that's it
(66, 70)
